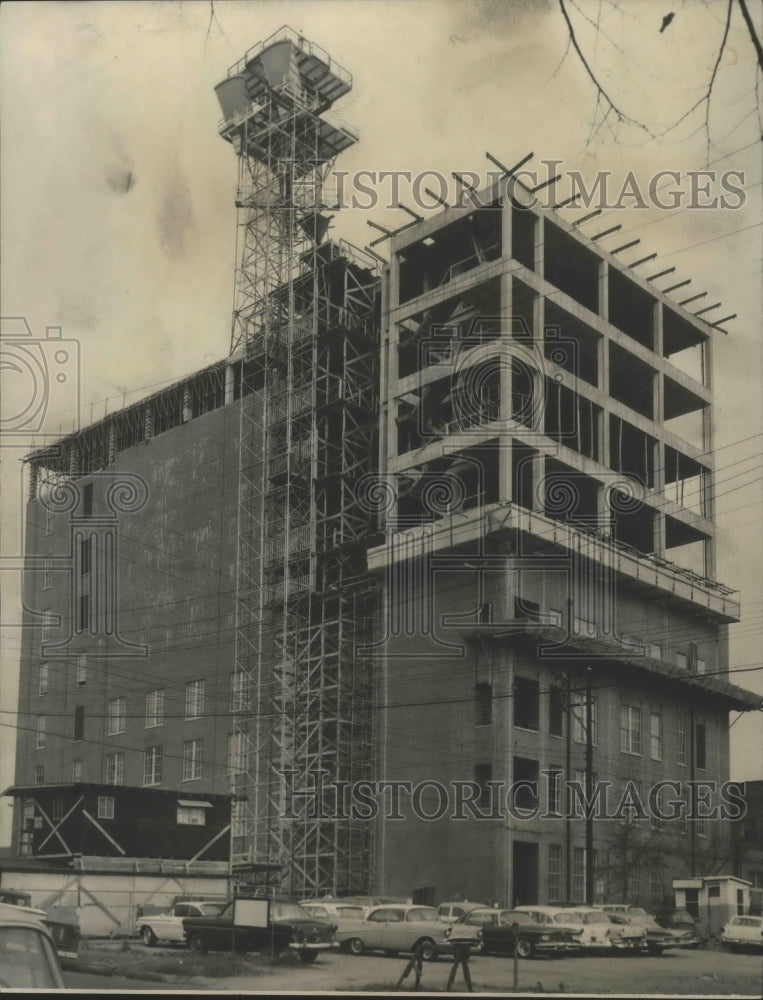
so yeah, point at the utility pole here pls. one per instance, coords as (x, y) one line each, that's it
(589, 872)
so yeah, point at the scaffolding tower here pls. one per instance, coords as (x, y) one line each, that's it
(305, 329)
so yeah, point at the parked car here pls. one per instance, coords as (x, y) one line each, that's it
(743, 932)
(556, 918)
(683, 921)
(452, 912)
(403, 927)
(603, 931)
(155, 927)
(61, 921)
(271, 926)
(333, 909)
(28, 959)
(657, 938)
(499, 936)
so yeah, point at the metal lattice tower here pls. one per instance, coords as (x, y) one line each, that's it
(305, 327)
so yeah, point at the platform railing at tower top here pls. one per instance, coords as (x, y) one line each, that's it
(287, 34)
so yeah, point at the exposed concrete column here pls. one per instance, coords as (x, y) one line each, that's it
(229, 382)
(659, 533)
(389, 375)
(603, 308)
(505, 492)
(506, 224)
(658, 407)
(603, 364)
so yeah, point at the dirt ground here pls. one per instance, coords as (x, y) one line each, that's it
(704, 972)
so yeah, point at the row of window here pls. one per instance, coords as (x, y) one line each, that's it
(636, 877)
(237, 762)
(526, 714)
(187, 814)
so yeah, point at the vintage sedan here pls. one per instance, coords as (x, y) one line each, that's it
(269, 926)
(603, 932)
(742, 932)
(507, 931)
(28, 960)
(451, 913)
(657, 938)
(403, 927)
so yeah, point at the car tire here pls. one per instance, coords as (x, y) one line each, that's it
(196, 943)
(655, 949)
(426, 948)
(148, 937)
(308, 956)
(355, 946)
(525, 948)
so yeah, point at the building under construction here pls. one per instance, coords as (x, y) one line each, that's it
(447, 523)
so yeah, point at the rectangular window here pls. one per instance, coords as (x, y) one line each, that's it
(154, 708)
(656, 891)
(105, 807)
(579, 718)
(47, 578)
(194, 699)
(87, 500)
(525, 770)
(681, 743)
(115, 768)
(483, 773)
(655, 735)
(700, 746)
(79, 722)
(39, 774)
(238, 753)
(238, 819)
(556, 710)
(483, 704)
(81, 674)
(526, 703)
(192, 755)
(239, 691)
(152, 765)
(554, 872)
(191, 815)
(42, 679)
(637, 883)
(578, 875)
(654, 650)
(76, 770)
(40, 724)
(630, 729)
(681, 660)
(701, 666)
(116, 716)
(554, 780)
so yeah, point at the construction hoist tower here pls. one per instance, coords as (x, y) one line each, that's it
(305, 331)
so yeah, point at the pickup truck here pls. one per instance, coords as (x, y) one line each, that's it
(169, 926)
(269, 926)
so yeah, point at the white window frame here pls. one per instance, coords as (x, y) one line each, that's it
(76, 770)
(193, 753)
(239, 691)
(105, 807)
(115, 768)
(39, 774)
(154, 708)
(191, 815)
(152, 765)
(116, 715)
(655, 735)
(237, 759)
(40, 726)
(631, 729)
(194, 698)
(682, 743)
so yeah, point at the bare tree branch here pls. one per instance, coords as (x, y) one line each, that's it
(751, 29)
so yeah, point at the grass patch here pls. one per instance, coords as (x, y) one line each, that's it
(138, 962)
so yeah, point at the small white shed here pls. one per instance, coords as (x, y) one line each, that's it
(712, 899)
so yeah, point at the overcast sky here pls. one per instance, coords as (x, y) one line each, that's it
(117, 193)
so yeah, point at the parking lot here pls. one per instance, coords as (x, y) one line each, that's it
(697, 972)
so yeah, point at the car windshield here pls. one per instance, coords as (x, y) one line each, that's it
(512, 917)
(423, 913)
(211, 909)
(288, 911)
(27, 960)
(350, 911)
(595, 918)
(567, 918)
